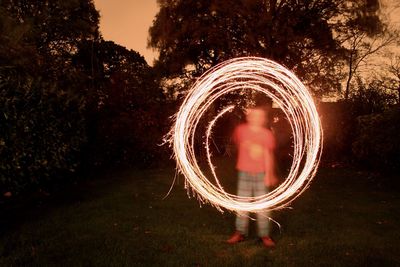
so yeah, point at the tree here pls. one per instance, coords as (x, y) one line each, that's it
(192, 35)
(118, 78)
(14, 51)
(42, 122)
(53, 29)
(125, 103)
(361, 47)
(394, 77)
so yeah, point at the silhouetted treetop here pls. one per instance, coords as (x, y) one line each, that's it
(306, 36)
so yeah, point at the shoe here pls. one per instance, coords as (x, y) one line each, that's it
(235, 238)
(268, 242)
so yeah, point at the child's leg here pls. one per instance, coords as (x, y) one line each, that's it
(263, 223)
(245, 183)
(242, 222)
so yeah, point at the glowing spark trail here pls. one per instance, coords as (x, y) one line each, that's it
(287, 91)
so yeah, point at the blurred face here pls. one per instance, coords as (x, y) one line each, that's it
(256, 117)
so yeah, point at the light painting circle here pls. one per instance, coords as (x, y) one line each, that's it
(292, 97)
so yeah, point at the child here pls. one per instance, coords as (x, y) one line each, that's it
(255, 165)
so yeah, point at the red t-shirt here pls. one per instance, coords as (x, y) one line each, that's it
(251, 146)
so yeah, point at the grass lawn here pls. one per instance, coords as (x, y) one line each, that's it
(121, 218)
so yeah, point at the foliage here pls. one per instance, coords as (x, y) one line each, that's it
(42, 131)
(192, 36)
(70, 97)
(368, 98)
(42, 122)
(339, 119)
(54, 28)
(41, 37)
(125, 104)
(116, 78)
(392, 82)
(13, 49)
(377, 144)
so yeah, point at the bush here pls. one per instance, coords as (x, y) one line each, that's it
(127, 112)
(42, 131)
(378, 143)
(129, 138)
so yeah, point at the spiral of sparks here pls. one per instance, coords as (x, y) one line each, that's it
(292, 97)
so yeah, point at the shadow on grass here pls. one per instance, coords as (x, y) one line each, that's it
(123, 219)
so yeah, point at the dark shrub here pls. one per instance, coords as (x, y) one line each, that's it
(378, 143)
(42, 131)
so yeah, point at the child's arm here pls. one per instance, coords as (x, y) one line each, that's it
(270, 178)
